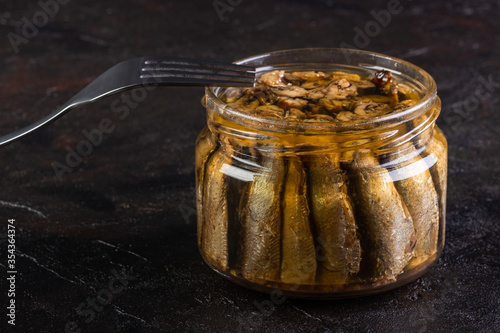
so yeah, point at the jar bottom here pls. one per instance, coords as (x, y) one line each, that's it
(328, 292)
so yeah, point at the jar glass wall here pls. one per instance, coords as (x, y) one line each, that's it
(323, 210)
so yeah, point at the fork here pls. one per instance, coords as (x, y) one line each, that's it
(147, 71)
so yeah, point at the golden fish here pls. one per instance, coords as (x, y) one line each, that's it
(436, 155)
(205, 146)
(261, 222)
(239, 174)
(414, 183)
(339, 251)
(214, 243)
(298, 258)
(384, 223)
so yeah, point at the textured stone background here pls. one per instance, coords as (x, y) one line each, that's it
(129, 205)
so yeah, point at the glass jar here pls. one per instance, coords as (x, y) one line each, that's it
(323, 210)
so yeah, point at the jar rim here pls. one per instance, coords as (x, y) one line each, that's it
(284, 125)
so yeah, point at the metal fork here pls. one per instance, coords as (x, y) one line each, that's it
(147, 71)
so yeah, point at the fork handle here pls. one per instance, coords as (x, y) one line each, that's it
(74, 102)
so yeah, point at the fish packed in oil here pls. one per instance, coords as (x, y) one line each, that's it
(320, 220)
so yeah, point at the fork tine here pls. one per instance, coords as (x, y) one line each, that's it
(190, 81)
(198, 69)
(197, 76)
(196, 62)
(194, 78)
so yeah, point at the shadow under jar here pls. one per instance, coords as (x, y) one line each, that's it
(321, 208)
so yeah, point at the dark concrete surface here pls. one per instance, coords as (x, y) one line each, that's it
(128, 207)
